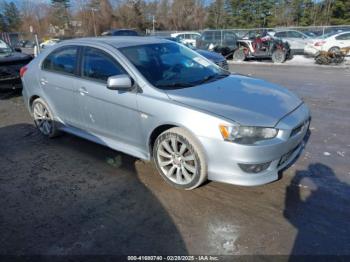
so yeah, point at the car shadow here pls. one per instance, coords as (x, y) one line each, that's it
(69, 196)
(318, 211)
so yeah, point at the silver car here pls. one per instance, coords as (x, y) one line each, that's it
(156, 99)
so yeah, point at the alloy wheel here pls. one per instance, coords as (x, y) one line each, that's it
(42, 118)
(177, 161)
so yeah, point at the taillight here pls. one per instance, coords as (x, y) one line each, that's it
(320, 43)
(22, 71)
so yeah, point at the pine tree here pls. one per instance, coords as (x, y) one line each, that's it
(340, 12)
(60, 15)
(11, 18)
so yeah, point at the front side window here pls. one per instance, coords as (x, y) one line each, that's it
(98, 65)
(343, 37)
(62, 61)
(295, 34)
(281, 34)
(170, 65)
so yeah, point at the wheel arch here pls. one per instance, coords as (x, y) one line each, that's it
(31, 100)
(166, 126)
(155, 133)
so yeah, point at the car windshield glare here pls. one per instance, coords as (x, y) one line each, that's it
(172, 65)
(4, 48)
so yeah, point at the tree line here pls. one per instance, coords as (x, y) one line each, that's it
(89, 17)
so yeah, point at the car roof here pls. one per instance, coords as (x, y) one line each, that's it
(118, 41)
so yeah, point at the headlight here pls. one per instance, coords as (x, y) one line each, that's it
(247, 134)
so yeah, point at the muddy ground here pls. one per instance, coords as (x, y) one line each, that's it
(71, 196)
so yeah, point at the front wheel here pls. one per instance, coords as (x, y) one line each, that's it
(180, 159)
(278, 56)
(239, 55)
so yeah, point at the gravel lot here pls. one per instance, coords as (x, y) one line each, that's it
(71, 196)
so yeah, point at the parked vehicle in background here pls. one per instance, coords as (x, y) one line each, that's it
(120, 32)
(49, 42)
(262, 46)
(156, 99)
(217, 58)
(221, 41)
(187, 37)
(10, 64)
(27, 44)
(329, 42)
(296, 39)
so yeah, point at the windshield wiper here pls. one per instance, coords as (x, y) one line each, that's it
(175, 85)
(213, 77)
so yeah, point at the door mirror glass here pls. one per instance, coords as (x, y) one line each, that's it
(119, 82)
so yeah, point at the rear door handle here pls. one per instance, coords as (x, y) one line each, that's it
(83, 91)
(43, 81)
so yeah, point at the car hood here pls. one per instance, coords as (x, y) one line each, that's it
(14, 57)
(246, 100)
(211, 55)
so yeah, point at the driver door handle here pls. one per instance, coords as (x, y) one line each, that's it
(83, 91)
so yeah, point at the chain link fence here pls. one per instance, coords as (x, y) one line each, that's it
(312, 31)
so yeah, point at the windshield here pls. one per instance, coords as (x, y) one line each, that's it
(328, 35)
(4, 48)
(172, 65)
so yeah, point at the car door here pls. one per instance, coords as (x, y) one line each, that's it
(298, 40)
(109, 113)
(58, 79)
(343, 40)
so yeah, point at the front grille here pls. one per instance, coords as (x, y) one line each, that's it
(223, 64)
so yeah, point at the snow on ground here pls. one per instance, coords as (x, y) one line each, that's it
(298, 60)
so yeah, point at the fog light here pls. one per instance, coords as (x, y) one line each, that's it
(254, 168)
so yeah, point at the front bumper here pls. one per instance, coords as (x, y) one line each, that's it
(224, 157)
(311, 50)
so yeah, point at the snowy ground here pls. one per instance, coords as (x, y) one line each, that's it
(298, 60)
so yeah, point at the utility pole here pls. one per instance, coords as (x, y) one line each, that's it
(153, 24)
(93, 20)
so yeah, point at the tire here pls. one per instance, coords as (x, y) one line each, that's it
(278, 56)
(43, 118)
(334, 49)
(171, 160)
(322, 60)
(239, 55)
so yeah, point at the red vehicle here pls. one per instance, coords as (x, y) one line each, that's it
(262, 46)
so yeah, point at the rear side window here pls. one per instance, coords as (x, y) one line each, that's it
(98, 65)
(62, 61)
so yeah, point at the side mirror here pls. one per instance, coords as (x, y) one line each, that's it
(17, 49)
(119, 82)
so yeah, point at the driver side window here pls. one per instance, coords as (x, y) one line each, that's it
(98, 65)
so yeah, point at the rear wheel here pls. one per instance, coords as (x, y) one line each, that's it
(278, 56)
(239, 55)
(43, 118)
(180, 159)
(322, 59)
